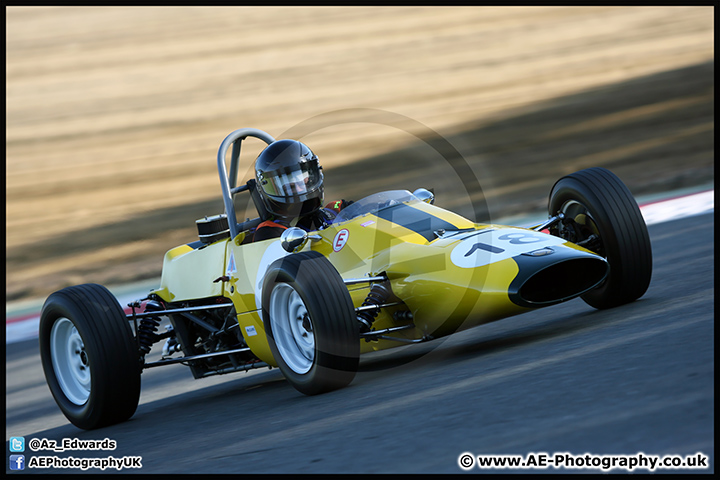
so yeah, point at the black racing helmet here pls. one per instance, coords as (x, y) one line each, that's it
(289, 179)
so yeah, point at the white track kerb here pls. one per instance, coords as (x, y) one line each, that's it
(22, 318)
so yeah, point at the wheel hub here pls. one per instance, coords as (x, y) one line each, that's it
(578, 226)
(292, 328)
(70, 361)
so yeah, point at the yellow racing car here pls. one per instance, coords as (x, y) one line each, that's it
(388, 270)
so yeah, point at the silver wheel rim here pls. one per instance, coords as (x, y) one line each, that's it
(573, 207)
(292, 328)
(580, 213)
(70, 362)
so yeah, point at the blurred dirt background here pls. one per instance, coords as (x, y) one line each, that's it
(114, 114)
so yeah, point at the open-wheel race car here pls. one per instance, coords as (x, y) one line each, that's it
(390, 269)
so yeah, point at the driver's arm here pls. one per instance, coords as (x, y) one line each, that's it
(338, 205)
(268, 229)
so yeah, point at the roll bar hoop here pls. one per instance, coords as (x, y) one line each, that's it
(228, 182)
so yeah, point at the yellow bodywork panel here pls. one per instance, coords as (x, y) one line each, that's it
(449, 273)
(190, 274)
(253, 330)
(245, 267)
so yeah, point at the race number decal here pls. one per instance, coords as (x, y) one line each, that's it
(491, 246)
(340, 239)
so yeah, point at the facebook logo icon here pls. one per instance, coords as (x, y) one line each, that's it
(17, 462)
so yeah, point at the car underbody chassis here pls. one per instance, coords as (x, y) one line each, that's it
(390, 269)
(209, 338)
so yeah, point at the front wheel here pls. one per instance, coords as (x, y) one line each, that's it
(600, 213)
(310, 323)
(89, 357)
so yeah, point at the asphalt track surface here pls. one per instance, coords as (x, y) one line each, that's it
(568, 378)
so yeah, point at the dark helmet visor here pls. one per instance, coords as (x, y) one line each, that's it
(292, 182)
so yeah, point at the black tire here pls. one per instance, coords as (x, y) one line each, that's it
(319, 351)
(95, 376)
(601, 204)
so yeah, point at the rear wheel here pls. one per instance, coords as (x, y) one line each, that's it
(602, 215)
(310, 322)
(89, 356)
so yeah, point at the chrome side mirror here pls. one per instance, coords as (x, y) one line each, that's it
(294, 239)
(425, 195)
